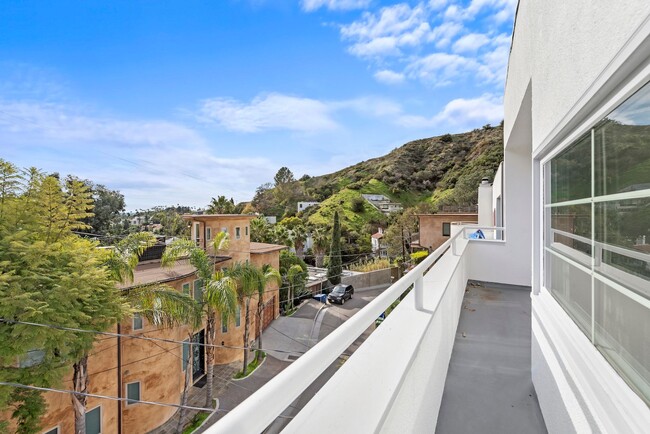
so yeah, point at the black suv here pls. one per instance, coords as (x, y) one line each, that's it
(340, 293)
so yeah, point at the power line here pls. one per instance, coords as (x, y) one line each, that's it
(144, 338)
(112, 398)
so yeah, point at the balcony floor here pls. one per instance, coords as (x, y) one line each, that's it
(489, 387)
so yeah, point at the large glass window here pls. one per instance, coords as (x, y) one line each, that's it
(597, 237)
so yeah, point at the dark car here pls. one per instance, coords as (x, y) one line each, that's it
(340, 293)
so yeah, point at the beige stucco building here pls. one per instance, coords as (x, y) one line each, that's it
(126, 366)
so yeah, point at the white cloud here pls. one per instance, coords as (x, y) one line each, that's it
(384, 33)
(334, 5)
(470, 42)
(387, 76)
(63, 123)
(369, 106)
(460, 113)
(440, 68)
(271, 111)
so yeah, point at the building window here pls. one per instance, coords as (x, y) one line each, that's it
(197, 232)
(32, 358)
(186, 288)
(238, 316)
(54, 430)
(94, 421)
(246, 230)
(237, 233)
(208, 233)
(446, 229)
(137, 321)
(224, 325)
(186, 353)
(133, 393)
(596, 235)
(198, 290)
(224, 229)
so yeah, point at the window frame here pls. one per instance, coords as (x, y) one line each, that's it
(133, 319)
(446, 225)
(185, 362)
(237, 232)
(132, 402)
(55, 430)
(187, 285)
(208, 233)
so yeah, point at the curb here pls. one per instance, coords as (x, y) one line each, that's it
(253, 371)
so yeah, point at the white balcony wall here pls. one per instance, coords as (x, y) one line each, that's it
(399, 372)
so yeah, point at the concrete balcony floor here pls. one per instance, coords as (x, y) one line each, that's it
(489, 387)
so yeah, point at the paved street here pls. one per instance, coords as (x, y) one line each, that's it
(288, 338)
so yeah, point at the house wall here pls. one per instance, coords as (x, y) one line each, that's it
(571, 63)
(431, 227)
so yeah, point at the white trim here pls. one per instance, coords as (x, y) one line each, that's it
(636, 194)
(133, 322)
(126, 393)
(612, 404)
(57, 428)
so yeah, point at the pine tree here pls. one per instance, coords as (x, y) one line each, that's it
(48, 275)
(335, 268)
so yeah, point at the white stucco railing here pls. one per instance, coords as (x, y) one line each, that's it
(401, 334)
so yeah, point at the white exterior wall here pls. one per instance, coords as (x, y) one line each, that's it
(571, 63)
(485, 205)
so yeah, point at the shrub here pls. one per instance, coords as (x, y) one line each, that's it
(418, 257)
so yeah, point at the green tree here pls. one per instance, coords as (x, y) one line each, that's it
(219, 292)
(320, 243)
(263, 277)
(221, 205)
(283, 176)
(335, 267)
(295, 279)
(48, 275)
(166, 307)
(260, 230)
(108, 204)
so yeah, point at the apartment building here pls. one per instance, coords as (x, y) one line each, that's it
(145, 370)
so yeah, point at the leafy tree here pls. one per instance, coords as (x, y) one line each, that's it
(108, 204)
(283, 176)
(281, 235)
(295, 278)
(294, 283)
(335, 268)
(221, 205)
(48, 275)
(218, 291)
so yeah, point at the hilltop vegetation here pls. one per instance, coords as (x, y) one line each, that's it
(443, 170)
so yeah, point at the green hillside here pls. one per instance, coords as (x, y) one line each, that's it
(443, 170)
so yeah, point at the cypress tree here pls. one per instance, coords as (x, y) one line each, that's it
(334, 268)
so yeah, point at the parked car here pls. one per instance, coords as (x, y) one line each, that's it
(340, 293)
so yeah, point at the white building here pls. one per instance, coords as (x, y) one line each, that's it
(304, 205)
(576, 138)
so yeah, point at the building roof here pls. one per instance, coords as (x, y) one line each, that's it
(153, 272)
(265, 248)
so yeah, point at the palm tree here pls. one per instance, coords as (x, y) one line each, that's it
(321, 242)
(164, 306)
(120, 261)
(263, 276)
(299, 236)
(245, 276)
(218, 291)
(295, 277)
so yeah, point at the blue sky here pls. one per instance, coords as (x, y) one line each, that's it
(177, 101)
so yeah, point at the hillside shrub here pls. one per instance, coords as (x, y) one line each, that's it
(418, 257)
